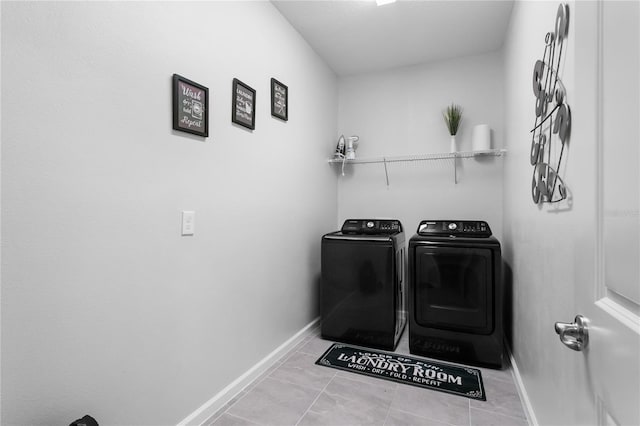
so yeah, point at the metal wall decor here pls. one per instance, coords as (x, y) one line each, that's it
(553, 116)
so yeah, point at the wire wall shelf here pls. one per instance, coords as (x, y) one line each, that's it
(450, 157)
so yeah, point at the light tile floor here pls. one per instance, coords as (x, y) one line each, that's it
(295, 391)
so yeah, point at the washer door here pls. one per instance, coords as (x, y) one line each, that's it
(454, 289)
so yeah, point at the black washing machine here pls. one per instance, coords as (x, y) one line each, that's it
(363, 284)
(455, 298)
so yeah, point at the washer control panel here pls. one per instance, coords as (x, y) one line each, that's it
(466, 228)
(371, 226)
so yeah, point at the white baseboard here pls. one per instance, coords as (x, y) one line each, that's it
(524, 397)
(209, 408)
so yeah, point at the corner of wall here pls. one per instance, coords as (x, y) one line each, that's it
(1, 242)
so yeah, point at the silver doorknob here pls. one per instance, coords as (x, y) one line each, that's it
(574, 335)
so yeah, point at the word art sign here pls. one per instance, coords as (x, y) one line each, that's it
(463, 381)
(279, 100)
(243, 105)
(190, 106)
(553, 116)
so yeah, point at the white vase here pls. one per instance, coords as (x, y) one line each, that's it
(454, 147)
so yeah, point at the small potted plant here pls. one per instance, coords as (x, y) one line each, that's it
(452, 117)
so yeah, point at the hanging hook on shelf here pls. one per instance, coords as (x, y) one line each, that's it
(455, 169)
(386, 173)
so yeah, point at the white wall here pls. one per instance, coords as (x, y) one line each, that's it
(399, 112)
(540, 241)
(0, 223)
(106, 309)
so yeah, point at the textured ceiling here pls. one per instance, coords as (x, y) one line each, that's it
(358, 36)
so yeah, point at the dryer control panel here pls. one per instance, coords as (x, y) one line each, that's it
(466, 228)
(371, 226)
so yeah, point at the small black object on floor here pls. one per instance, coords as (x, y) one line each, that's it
(454, 379)
(87, 420)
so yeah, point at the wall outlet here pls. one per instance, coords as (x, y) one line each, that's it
(188, 222)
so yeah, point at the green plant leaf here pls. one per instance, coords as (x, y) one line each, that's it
(452, 117)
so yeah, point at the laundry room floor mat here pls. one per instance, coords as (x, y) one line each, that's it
(457, 380)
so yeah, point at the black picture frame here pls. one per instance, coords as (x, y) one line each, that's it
(190, 106)
(279, 100)
(243, 105)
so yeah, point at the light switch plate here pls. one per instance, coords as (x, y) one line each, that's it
(188, 222)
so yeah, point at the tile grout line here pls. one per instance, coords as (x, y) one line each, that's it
(223, 410)
(258, 380)
(238, 397)
(395, 392)
(288, 382)
(501, 413)
(241, 418)
(203, 413)
(251, 385)
(423, 417)
(315, 399)
(298, 349)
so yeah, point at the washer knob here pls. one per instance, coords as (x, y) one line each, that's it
(370, 224)
(453, 226)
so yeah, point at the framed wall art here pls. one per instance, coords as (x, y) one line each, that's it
(279, 100)
(190, 106)
(243, 110)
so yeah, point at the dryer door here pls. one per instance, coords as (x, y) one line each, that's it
(454, 289)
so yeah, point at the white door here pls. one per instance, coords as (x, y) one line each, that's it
(608, 249)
